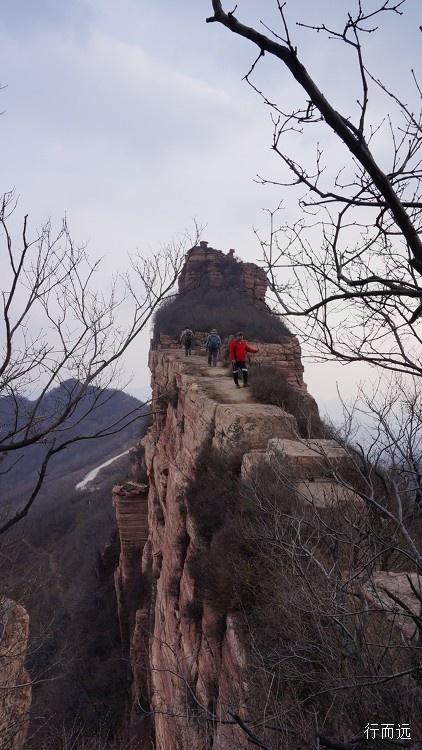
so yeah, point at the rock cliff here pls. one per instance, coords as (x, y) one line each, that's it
(206, 266)
(189, 655)
(15, 683)
(181, 656)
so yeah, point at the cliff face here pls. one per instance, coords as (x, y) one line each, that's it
(189, 655)
(190, 658)
(181, 655)
(208, 266)
(15, 683)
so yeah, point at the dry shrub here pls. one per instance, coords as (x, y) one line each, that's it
(193, 610)
(76, 738)
(213, 493)
(221, 574)
(268, 386)
(215, 504)
(228, 310)
(138, 470)
(173, 586)
(169, 396)
(315, 648)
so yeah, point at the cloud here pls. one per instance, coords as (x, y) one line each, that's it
(132, 118)
(24, 18)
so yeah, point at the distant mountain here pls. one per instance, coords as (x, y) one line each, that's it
(99, 411)
(59, 561)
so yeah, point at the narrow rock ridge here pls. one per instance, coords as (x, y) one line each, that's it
(173, 654)
(189, 660)
(285, 358)
(15, 682)
(182, 658)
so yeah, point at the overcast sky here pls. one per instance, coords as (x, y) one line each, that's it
(131, 117)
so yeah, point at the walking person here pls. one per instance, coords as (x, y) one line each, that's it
(238, 350)
(213, 345)
(186, 339)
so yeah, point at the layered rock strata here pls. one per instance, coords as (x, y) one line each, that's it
(188, 659)
(15, 683)
(130, 501)
(183, 663)
(206, 265)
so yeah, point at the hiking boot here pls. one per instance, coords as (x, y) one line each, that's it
(237, 385)
(246, 385)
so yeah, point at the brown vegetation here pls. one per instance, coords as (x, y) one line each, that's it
(62, 569)
(269, 387)
(322, 662)
(227, 309)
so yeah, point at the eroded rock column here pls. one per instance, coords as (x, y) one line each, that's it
(15, 682)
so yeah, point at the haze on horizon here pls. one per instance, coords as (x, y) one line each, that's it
(132, 119)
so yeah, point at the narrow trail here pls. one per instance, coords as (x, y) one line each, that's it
(82, 485)
(217, 381)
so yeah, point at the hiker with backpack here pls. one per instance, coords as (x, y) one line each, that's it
(212, 345)
(186, 339)
(238, 350)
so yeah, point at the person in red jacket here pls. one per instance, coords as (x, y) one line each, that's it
(238, 350)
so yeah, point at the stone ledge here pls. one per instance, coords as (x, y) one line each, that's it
(383, 583)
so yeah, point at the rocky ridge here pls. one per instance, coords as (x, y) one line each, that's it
(189, 659)
(183, 658)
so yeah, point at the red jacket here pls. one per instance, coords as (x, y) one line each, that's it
(238, 349)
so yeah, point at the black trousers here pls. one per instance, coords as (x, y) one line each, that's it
(240, 367)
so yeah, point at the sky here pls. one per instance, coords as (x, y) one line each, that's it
(131, 118)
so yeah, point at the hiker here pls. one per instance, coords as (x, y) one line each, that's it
(186, 338)
(212, 345)
(238, 350)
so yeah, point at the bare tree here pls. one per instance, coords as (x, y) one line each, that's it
(59, 329)
(336, 630)
(347, 271)
(350, 264)
(324, 554)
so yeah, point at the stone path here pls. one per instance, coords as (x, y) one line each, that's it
(216, 381)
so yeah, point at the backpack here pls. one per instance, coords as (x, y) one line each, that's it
(214, 341)
(188, 339)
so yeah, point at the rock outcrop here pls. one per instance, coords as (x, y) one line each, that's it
(207, 266)
(130, 501)
(15, 683)
(189, 657)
